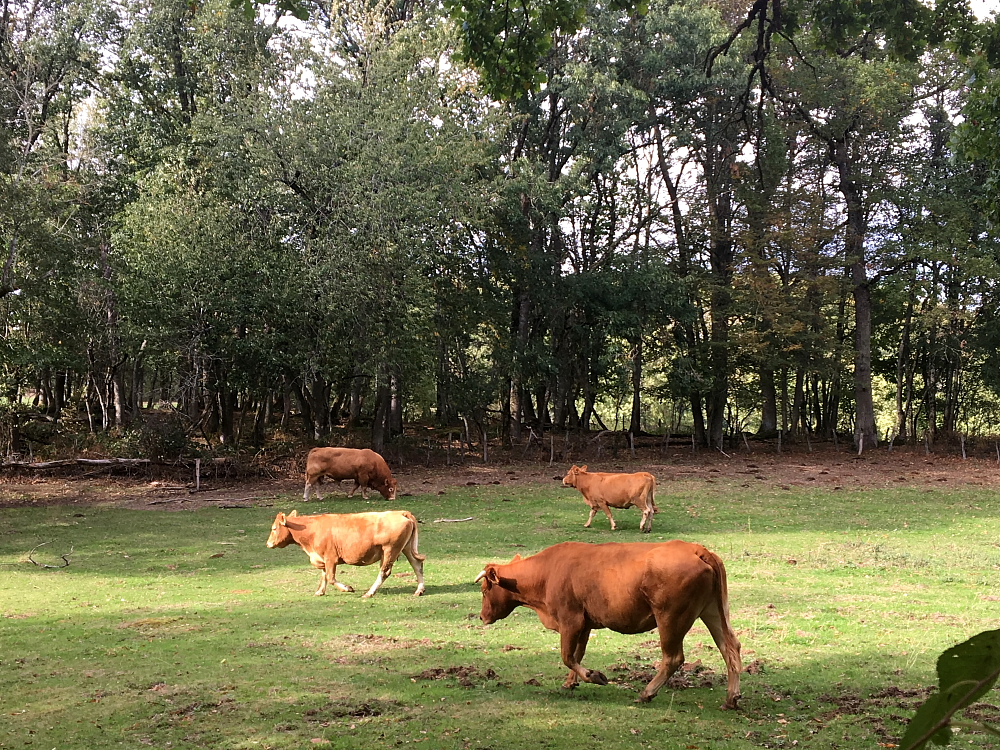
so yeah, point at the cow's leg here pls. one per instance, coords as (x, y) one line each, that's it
(313, 483)
(672, 626)
(593, 512)
(328, 574)
(418, 567)
(384, 572)
(729, 647)
(581, 649)
(646, 524)
(573, 640)
(362, 480)
(607, 512)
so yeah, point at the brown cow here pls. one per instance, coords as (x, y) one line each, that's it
(576, 587)
(353, 539)
(366, 467)
(602, 491)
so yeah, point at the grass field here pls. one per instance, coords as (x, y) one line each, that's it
(181, 630)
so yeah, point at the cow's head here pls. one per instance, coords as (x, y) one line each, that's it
(388, 488)
(570, 479)
(499, 598)
(280, 535)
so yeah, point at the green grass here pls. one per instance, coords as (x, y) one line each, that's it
(842, 600)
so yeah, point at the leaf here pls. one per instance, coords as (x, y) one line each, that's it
(965, 673)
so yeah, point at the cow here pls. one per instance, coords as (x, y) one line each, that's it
(366, 467)
(576, 587)
(602, 491)
(353, 539)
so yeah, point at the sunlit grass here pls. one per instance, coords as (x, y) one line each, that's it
(150, 638)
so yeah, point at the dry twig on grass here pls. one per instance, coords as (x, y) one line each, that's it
(43, 565)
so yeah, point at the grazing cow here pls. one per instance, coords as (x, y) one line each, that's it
(576, 587)
(602, 491)
(366, 467)
(353, 539)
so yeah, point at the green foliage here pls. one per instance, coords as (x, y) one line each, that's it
(966, 672)
(163, 436)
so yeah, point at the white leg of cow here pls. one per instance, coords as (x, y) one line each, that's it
(384, 572)
(418, 567)
(646, 525)
(314, 485)
(593, 512)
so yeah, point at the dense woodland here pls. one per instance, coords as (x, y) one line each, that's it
(689, 217)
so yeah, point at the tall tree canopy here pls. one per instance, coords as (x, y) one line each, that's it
(657, 217)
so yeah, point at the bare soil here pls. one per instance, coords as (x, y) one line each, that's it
(762, 466)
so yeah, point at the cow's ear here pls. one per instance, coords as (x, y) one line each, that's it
(293, 514)
(281, 519)
(492, 576)
(583, 468)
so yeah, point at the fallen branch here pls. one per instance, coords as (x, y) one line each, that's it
(454, 520)
(42, 565)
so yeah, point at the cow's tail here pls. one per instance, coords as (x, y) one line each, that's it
(652, 497)
(722, 631)
(413, 539)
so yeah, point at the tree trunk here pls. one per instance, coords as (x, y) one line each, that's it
(769, 403)
(902, 364)
(383, 396)
(635, 420)
(854, 248)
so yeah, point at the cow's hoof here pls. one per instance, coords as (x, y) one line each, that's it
(569, 685)
(320, 593)
(730, 705)
(646, 531)
(418, 592)
(643, 698)
(596, 677)
(349, 590)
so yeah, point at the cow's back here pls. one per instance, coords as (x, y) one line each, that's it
(355, 535)
(619, 585)
(611, 487)
(337, 463)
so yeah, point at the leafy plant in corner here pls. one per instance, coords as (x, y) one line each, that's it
(966, 672)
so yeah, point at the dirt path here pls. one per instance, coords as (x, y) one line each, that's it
(823, 467)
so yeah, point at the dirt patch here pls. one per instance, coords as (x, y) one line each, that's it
(464, 676)
(357, 643)
(824, 467)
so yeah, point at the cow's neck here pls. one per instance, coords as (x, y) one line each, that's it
(302, 533)
(530, 580)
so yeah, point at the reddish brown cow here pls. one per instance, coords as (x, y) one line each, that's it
(366, 467)
(629, 588)
(602, 491)
(353, 539)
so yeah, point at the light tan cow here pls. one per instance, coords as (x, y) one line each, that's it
(352, 539)
(602, 491)
(576, 587)
(366, 467)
